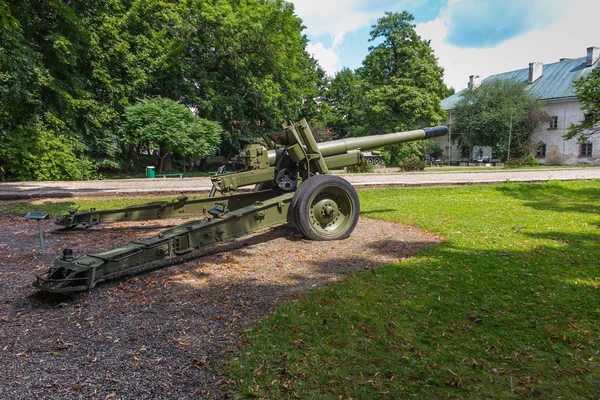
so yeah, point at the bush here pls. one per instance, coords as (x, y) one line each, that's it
(531, 161)
(360, 169)
(515, 163)
(412, 164)
(43, 150)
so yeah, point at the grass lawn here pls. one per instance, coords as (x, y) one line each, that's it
(446, 168)
(508, 306)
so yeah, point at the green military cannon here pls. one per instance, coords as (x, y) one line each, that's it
(292, 184)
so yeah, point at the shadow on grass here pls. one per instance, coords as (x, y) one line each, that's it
(495, 318)
(553, 196)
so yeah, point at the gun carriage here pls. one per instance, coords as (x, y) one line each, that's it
(292, 185)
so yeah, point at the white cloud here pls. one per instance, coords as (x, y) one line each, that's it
(327, 57)
(332, 17)
(335, 18)
(568, 36)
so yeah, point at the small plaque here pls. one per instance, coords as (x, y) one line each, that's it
(36, 215)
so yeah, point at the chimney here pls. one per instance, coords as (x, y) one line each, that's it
(535, 71)
(592, 55)
(474, 82)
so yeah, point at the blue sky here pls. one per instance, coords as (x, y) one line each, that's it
(469, 37)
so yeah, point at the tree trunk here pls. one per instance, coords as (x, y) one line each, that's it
(162, 162)
(165, 161)
(394, 155)
(167, 165)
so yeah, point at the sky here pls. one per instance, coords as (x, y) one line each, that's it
(469, 37)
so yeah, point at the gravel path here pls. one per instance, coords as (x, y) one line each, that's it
(166, 333)
(175, 186)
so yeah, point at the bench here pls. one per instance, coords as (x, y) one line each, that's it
(179, 175)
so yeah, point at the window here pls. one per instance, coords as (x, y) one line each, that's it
(540, 150)
(585, 150)
(553, 122)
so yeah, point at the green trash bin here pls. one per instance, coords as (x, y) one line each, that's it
(150, 172)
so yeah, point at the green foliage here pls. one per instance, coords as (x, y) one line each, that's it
(506, 307)
(413, 163)
(165, 126)
(515, 162)
(343, 99)
(484, 116)
(398, 88)
(402, 82)
(432, 148)
(243, 64)
(409, 150)
(531, 161)
(42, 150)
(588, 92)
(360, 169)
(321, 133)
(528, 161)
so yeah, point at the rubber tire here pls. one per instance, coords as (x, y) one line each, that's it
(302, 203)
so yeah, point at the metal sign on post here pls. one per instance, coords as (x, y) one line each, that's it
(38, 216)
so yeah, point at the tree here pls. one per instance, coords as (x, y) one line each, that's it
(41, 93)
(165, 126)
(72, 68)
(588, 91)
(343, 98)
(402, 82)
(487, 115)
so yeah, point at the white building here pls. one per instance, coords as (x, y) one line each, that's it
(553, 83)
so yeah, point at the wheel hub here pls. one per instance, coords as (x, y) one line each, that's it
(326, 212)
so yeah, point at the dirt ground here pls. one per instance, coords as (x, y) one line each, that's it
(165, 333)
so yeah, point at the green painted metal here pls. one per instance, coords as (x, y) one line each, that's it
(314, 152)
(325, 207)
(71, 275)
(292, 185)
(179, 207)
(150, 172)
(330, 210)
(235, 180)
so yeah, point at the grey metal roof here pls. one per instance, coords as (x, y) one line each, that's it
(556, 81)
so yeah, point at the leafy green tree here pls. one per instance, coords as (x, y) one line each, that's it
(485, 116)
(432, 148)
(343, 99)
(402, 82)
(588, 91)
(43, 150)
(164, 126)
(39, 92)
(250, 66)
(77, 65)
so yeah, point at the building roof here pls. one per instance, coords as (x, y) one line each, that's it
(555, 83)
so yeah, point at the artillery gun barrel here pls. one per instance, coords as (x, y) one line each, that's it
(364, 143)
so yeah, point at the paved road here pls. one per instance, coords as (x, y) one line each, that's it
(176, 186)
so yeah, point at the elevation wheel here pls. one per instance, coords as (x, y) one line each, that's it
(325, 207)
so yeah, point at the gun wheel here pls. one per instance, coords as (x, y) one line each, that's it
(325, 207)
